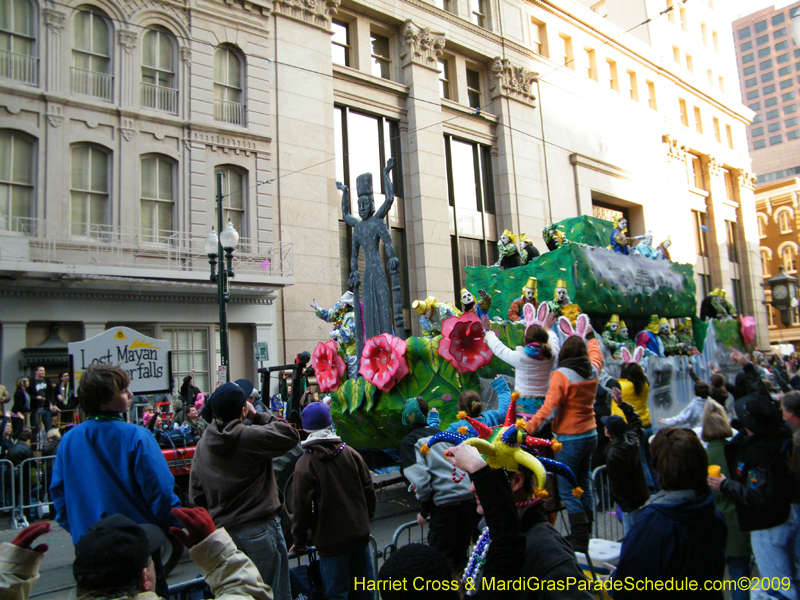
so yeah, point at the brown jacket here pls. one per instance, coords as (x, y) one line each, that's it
(232, 472)
(333, 497)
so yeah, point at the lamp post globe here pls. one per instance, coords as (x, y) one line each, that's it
(229, 237)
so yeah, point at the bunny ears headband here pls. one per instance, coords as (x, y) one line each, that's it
(637, 355)
(537, 317)
(581, 326)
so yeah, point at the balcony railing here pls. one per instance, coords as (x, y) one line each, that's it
(90, 83)
(230, 112)
(112, 250)
(159, 98)
(19, 67)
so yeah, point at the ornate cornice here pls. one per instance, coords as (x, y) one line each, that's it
(745, 179)
(316, 12)
(675, 150)
(132, 7)
(55, 114)
(55, 20)
(420, 45)
(512, 81)
(128, 39)
(186, 56)
(133, 295)
(712, 165)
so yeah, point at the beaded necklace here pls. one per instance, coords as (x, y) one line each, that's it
(476, 563)
(113, 417)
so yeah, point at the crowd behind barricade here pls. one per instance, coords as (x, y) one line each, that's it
(699, 507)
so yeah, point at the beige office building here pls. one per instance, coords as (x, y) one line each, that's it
(116, 116)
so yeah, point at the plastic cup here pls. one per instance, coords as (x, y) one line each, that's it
(714, 471)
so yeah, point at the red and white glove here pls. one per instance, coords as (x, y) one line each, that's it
(25, 537)
(197, 523)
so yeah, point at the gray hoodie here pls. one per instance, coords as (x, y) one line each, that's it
(432, 476)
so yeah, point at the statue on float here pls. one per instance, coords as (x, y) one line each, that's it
(343, 317)
(367, 234)
(527, 250)
(561, 305)
(509, 253)
(468, 302)
(530, 295)
(611, 337)
(717, 306)
(620, 242)
(685, 336)
(662, 250)
(672, 346)
(624, 340)
(432, 314)
(649, 340)
(645, 247)
(553, 238)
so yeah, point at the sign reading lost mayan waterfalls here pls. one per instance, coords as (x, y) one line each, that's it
(145, 359)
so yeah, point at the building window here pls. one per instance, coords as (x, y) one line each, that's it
(704, 33)
(784, 218)
(746, 46)
(789, 108)
(673, 17)
(762, 40)
(721, 84)
(229, 104)
(783, 71)
(790, 122)
(744, 33)
(340, 43)
(684, 20)
(749, 70)
(158, 199)
(782, 46)
(788, 256)
(591, 64)
(684, 112)
(760, 27)
(748, 58)
(772, 114)
(710, 77)
(715, 37)
(444, 79)
(613, 79)
(773, 127)
(159, 89)
(717, 131)
(474, 88)
(753, 82)
(769, 89)
(634, 87)
(757, 131)
(539, 37)
(651, 95)
(775, 140)
(694, 172)
(91, 55)
(792, 135)
(234, 197)
(700, 233)
(752, 95)
(17, 177)
(778, 19)
(770, 101)
(189, 353)
(471, 193)
(727, 177)
(478, 12)
(600, 8)
(766, 64)
(786, 83)
(381, 57)
(758, 144)
(18, 60)
(698, 120)
(765, 258)
(778, 33)
(676, 54)
(766, 77)
(690, 63)
(787, 96)
(568, 60)
(89, 187)
(729, 135)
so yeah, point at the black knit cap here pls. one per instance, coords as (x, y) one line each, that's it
(416, 560)
(114, 551)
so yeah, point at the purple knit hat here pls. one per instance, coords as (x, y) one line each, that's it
(316, 416)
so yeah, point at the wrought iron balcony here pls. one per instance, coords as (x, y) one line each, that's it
(230, 112)
(91, 83)
(19, 67)
(159, 98)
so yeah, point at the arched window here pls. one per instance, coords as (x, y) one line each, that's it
(159, 84)
(789, 258)
(234, 197)
(785, 219)
(89, 189)
(17, 177)
(91, 55)
(18, 60)
(766, 257)
(158, 198)
(762, 225)
(229, 104)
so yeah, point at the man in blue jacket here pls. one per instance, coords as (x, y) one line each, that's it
(106, 466)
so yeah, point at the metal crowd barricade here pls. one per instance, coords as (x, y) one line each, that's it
(32, 488)
(7, 487)
(607, 525)
(406, 528)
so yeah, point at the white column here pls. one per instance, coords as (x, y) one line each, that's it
(11, 352)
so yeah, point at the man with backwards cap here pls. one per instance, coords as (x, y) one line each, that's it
(113, 559)
(232, 477)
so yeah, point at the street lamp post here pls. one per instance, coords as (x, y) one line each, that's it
(784, 295)
(214, 246)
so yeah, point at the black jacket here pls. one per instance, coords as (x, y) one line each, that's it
(624, 464)
(748, 381)
(760, 483)
(408, 455)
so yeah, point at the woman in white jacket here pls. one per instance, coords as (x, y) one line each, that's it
(534, 361)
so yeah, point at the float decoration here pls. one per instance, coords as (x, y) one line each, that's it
(328, 366)
(462, 343)
(383, 362)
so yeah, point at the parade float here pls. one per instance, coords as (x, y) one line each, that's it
(592, 267)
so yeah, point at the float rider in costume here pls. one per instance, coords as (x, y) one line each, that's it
(685, 336)
(620, 242)
(611, 337)
(509, 253)
(432, 314)
(561, 305)
(624, 340)
(343, 318)
(468, 302)
(645, 247)
(527, 251)
(553, 238)
(672, 346)
(530, 295)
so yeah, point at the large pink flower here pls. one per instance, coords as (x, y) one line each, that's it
(462, 343)
(383, 361)
(328, 365)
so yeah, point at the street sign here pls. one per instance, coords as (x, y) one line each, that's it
(222, 374)
(145, 359)
(261, 351)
